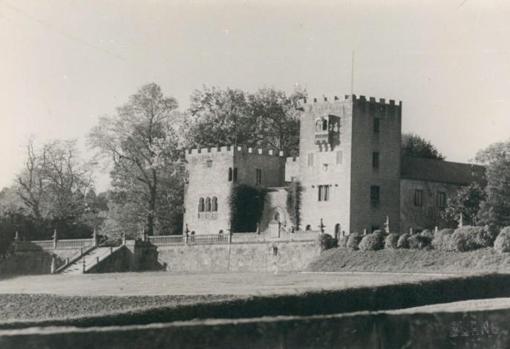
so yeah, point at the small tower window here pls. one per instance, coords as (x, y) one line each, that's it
(214, 204)
(258, 176)
(375, 160)
(201, 205)
(235, 174)
(375, 197)
(418, 198)
(208, 205)
(230, 174)
(377, 125)
(324, 125)
(208, 163)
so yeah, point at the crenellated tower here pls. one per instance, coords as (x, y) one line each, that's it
(349, 163)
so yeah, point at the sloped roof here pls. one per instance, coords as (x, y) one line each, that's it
(440, 171)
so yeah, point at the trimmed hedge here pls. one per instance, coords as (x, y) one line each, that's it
(326, 242)
(353, 241)
(391, 241)
(502, 242)
(419, 242)
(372, 242)
(441, 240)
(471, 238)
(403, 241)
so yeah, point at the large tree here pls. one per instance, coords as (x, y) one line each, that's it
(53, 184)
(266, 118)
(495, 209)
(466, 201)
(142, 143)
(416, 146)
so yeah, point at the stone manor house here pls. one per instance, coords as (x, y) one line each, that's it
(350, 169)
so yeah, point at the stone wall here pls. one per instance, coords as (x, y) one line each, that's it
(256, 256)
(426, 216)
(34, 262)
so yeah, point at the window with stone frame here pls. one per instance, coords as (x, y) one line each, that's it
(208, 205)
(201, 205)
(323, 192)
(375, 160)
(258, 176)
(214, 204)
(441, 199)
(418, 197)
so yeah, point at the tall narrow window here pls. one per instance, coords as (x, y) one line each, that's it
(323, 192)
(377, 125)
(208, 163)
(375, 160)
(310, 160)
(441, 199)
(339, 157)
(201, 205)
(258, 176)
(375, 197)
(235, 174)
(208, 205)
(214, 204)
(230, 174)
(418, 198)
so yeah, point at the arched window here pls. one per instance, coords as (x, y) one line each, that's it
(308, 227)
(230, 174)
(208, 205)
(201, 205)
(337, 230)
(324, 124)
(214, 204)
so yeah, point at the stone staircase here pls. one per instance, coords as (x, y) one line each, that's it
(89, 260)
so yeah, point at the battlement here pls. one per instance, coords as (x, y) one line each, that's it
(230, 149)
(356, 99)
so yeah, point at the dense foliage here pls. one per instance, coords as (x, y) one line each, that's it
(246, 206)
(372, 242)
(416, 146)
(502, 242)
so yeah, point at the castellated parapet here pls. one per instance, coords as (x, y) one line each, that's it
(230, 149)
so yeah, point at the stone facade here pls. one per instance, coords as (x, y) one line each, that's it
(349, 167)
(212, 173)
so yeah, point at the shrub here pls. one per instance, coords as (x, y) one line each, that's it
(470, 238)
(372, 242)
(441, 240)
(326, 242)
(391, 241)
(428, 234)
(502, 242)
(419, 242)
(403, 241)
(353, 241)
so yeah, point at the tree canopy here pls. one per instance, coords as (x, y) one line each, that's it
(416, 146)
(265, 118)
(141, 142)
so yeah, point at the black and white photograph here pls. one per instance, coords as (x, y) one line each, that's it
(250, 174)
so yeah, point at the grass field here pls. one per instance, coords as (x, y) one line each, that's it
(412, 261)
(64, 296)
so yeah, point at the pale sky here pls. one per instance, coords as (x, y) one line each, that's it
(64, 63)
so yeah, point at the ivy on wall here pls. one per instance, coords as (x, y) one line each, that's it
(294, 190)
(246, 207)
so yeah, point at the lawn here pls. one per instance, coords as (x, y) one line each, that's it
(41, 297)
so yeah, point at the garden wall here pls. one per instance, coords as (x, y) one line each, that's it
(384, 330)
(254, 256)
(34, 262)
